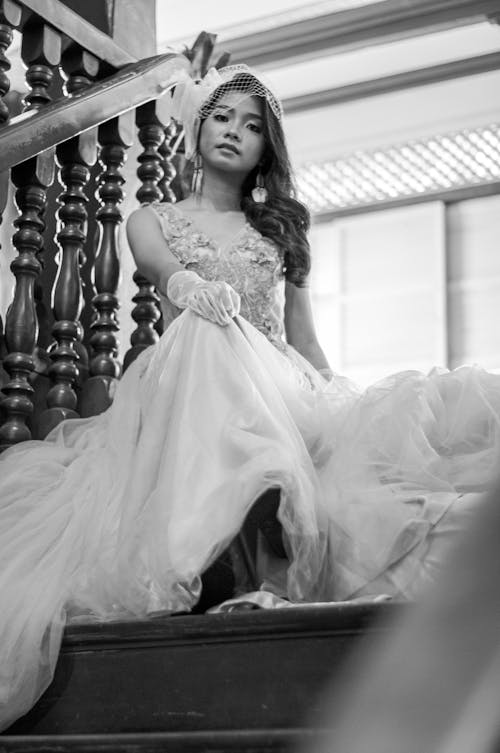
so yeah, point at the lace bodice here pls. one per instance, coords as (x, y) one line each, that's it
(250, 263)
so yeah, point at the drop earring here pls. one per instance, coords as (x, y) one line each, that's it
(197, 179)
(259, 193)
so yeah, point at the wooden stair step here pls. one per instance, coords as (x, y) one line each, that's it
(241, 741)
(257, 670)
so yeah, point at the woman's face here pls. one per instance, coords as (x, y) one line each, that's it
(232, 138)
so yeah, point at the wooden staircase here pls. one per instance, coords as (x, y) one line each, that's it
(244, 682)
(241, 681)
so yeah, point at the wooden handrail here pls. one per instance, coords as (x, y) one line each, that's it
(79, 31)
(34, 131)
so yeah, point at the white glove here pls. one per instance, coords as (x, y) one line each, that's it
(213, 300)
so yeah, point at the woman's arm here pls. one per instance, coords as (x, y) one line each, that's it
(299, 326)
(149, 248)
(213, 300)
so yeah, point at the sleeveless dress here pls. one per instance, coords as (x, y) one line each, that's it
(116, 516)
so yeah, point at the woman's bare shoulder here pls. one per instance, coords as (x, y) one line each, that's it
(146, 214)
(146, 222)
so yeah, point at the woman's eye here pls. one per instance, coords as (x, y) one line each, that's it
(255, 128)
(220, 117)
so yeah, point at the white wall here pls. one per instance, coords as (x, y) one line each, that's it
(409, 288)
(378, 290)
(473, 232)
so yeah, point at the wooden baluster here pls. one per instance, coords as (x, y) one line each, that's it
(146, 312)
(4, 193)
(31, 179)
(3, 375)
(10, 18)
(80, 68)
(74, 157)
(115, 137)
(167, 152)
(151, 135)
(41, 48)
(41, 52)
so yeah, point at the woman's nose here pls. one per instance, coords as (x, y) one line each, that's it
(233, 132)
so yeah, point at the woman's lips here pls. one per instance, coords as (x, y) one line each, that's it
(229, 147)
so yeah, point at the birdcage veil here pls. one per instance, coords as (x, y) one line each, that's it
(193, 100)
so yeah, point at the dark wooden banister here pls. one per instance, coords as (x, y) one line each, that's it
(57, 360)
(34, 131)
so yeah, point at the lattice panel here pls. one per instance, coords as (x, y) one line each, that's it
(441, 163)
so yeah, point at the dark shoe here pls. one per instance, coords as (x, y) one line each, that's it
(217, 583)
(263, 516)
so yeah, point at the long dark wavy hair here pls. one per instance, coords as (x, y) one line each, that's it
(282, 218)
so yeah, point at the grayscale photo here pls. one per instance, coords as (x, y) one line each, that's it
(250, 376)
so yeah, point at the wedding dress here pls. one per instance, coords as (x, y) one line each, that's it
(118, 515)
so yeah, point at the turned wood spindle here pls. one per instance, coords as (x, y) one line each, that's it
(10, 18)
(151, 135)
(4, 194)
(167, 152)
(80, 68)
(41, 52)
(74, 157)
(146, 312)
(31, 179)
(115, 137)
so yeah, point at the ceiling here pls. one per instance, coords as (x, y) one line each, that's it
(335, 106)
(229, 19)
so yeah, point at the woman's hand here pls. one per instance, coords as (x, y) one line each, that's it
(213, 300)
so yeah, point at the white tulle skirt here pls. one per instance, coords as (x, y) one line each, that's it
(118, 515)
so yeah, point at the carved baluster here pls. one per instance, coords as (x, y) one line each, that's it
(31, 179)
(115, 137)
(146, 312)
(167, 152)
(4, 194)
(151, 135)
(10, 18)
(80, 68)
(41, 52)
(74, 157)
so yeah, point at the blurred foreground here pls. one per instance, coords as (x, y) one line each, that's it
(432, 685)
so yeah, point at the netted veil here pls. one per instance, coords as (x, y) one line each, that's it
(193, 100)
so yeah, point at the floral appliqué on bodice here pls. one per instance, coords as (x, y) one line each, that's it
(250, 263)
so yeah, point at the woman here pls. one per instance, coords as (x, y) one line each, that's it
(118, 515)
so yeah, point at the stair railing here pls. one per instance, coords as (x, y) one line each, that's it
(105, 94)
